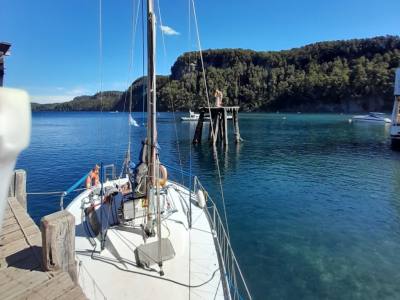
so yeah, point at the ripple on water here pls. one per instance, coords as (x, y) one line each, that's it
(313, 201)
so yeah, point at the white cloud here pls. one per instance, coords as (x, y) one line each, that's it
(50, 98)
(57, 94)
(168, 30)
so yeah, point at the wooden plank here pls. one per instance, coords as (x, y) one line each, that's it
(21, 244)
(60, 284)
(75, 293)
(15, 235)
(18, 281)
(25, 222)
(9, 221)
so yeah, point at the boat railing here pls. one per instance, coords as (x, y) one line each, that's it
(108, 174)
(71, 189)
(233, 276)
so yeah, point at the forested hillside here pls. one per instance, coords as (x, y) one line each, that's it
(337, 76)
(340, 75)
(107, 101)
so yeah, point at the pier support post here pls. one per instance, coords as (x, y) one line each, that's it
(17, 187)
(235, 117)
(210, 129)
(216, 128)
(58, 243)
(225, 134)
(199, 129)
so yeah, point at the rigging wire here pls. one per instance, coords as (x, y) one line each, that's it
(190, 154)
(143, 67)
(172, 101)
(128, 84)
(101, 67)
(134, 21)
(209, 111)
(134, 25)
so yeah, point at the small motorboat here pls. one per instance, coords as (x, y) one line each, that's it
(192, 117)
(372, 117)
(195, 117)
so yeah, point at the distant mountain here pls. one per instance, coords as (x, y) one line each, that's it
(105, 101)
(337, 76)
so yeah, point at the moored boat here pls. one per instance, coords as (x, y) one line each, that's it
(372, 117)
(142, 235)
(395, 128)
(192, 117)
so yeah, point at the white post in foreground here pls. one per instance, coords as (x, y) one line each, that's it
(15, 131)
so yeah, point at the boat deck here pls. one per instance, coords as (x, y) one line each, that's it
(113, 273)
(21, 275)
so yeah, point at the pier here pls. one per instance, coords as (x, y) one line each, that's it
(218, 127)
(36, 263)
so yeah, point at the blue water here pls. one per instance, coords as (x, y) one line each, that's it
(313, 201)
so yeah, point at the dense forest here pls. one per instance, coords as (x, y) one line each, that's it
(340, 76)
(105, 101)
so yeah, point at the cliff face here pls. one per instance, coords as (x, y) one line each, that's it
(340, 75)
(337, 76)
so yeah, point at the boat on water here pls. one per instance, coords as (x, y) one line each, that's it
(142, 235)
(195, 117)
(192, 117)
(372, 117)
(395, 127)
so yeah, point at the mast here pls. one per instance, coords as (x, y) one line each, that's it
(151, 93)
(153, 188)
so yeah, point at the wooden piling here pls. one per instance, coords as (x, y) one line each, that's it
(216, 127)
(235, 117)
(17, 187)
(58, 242)
(225, 135)
(199, 129)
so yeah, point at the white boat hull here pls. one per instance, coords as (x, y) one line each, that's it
(113, 273)
(369, 119)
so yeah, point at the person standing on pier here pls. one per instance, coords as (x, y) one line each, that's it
(218, 98)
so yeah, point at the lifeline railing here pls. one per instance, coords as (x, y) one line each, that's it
(108, 173)
(72, 189)
(233, 277)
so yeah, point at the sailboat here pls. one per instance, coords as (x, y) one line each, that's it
(395, 128)
(144, 236)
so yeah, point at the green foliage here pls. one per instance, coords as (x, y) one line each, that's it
(325, 76)
(105, 101)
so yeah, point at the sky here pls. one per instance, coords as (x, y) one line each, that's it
(55, 52)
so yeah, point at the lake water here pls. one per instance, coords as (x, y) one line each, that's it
(313, 201)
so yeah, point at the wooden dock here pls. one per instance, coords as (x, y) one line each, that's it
(218, 128)
(21, 259)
